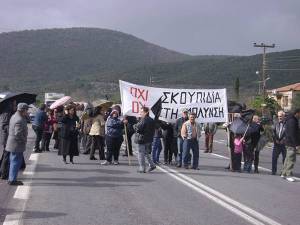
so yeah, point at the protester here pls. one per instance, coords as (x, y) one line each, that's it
(97, 133)
(156, 144)
(58, 114)
(170, 143)
(143, 138)
(114, 137)
(16, 142)
(4, 128)
(178, 126)
(86, 125)
(48, 130)
(38, 126)
(130, 131)
(190, 133)
(69, 134)
(258, 129)
(210, 130)
(237, 154)
(292, 141)
(278, 134)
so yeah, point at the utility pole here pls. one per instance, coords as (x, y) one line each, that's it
(264, 66)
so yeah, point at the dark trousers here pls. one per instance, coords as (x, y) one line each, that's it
(187, 145)
(46, 141)
(39, 134)
(4, 167)
(236, 161)
(248, 157)
(277, 150)
(170, 149)
(113, 147)
(209, 139)
(97, 143)
(65, 158)
(129, 136)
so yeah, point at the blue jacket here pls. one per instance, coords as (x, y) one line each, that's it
(114, 127)
(40, 118)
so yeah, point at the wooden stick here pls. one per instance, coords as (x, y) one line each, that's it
(127, 146)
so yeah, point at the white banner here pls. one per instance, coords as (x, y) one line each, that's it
(210, 105)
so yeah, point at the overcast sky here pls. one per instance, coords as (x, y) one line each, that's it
(191, 26)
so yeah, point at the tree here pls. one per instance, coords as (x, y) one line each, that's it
(296, 101)
(267, 106)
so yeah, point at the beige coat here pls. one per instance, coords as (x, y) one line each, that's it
(98, 126)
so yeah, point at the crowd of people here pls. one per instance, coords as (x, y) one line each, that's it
(103, 128)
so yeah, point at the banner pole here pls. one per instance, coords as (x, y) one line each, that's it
(126, 140)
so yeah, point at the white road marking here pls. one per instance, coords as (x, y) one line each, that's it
(260, 167)
(22, 193)
(237, 208)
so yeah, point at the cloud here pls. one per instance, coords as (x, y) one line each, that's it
(190, 26)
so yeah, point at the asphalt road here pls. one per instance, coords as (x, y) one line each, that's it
(88, 193)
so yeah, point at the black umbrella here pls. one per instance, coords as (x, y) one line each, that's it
(18, 97)
(239, 126)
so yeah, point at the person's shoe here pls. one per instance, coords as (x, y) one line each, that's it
(116, 163)
(196, 168)
(256, 171)
(206, 151)
(131, 154)
(65, 161)
(151, 168)
(282, 176)
(105, 163)
(125, 155)
(290, 179)
(210, 151)
(178, 165)
(86, 153)
(186, 167)
(72, 162)
(93, 158)
(15, 183)
(141, 171)
(273, 173)
(165, 163)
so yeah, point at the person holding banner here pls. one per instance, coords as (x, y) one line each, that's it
(143, 138)
(190, 133)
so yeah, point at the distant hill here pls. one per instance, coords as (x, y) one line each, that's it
(88, 62)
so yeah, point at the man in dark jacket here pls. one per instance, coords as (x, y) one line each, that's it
(5, 116)
(278, 135)
(38, 126)
(144, 136)
(292, 141)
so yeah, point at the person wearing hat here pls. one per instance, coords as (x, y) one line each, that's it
(16, 142)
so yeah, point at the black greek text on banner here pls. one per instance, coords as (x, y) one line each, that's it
(210, 105)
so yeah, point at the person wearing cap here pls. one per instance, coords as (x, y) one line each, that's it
(16, 142)
(177, 131)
